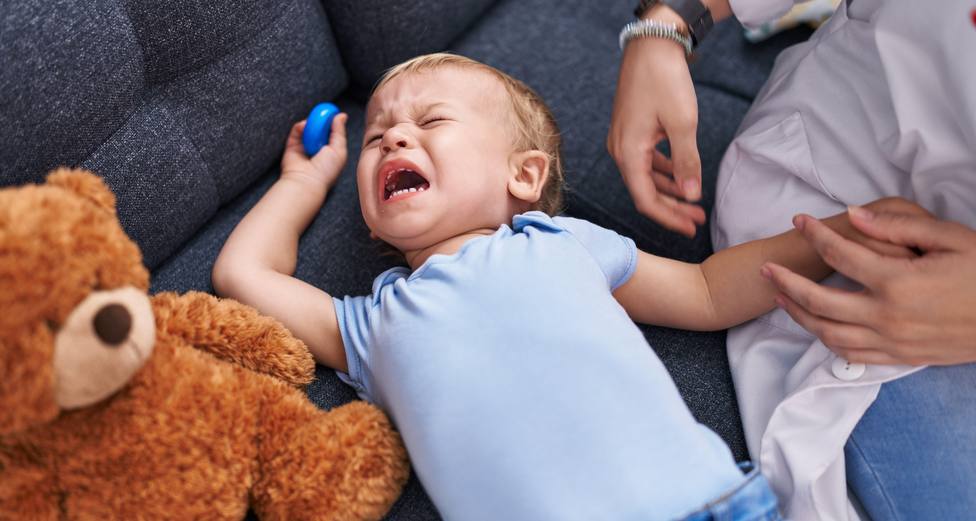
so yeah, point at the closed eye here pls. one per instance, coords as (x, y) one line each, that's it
(431, 120)
(424, 123)
(372, 139)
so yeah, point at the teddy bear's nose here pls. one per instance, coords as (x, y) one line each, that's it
(112, 324)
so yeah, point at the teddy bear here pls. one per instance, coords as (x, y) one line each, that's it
(118, 405)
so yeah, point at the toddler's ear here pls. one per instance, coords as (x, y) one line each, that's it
(530, 169)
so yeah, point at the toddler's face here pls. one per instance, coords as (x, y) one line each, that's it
(436, 157)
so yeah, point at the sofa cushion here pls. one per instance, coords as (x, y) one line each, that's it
(172, 103)
(727, 61)
(374, 35)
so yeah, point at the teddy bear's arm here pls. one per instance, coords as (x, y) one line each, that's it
(27, 488)
(347, 464)
(235, 332)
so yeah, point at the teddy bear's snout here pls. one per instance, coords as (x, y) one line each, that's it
(105, 340)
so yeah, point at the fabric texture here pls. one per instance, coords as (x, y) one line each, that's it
(752, 500)
(923, 423)
(179, 106)
(521, 387)
(374, 35)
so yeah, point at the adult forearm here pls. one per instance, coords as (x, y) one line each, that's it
(267, 237)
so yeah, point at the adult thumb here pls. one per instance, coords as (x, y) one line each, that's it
(686, 162)
(917, 231)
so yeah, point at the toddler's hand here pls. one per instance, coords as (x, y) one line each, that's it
(322, 168)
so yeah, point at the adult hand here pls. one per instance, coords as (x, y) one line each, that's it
(916, 311)
(656, 99)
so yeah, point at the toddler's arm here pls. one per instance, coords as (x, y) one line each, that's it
(256, 263)
(728, 289)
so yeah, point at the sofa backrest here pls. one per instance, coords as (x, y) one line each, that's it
(374, 35)
(178, 105)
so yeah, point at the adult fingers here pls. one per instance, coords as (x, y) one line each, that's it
(847, 257)
(822, 301)
(684, 154)
(665, 184)
(692, 211)
(836, 335)
(855, 343)
(662, 208)
(926, 233)
(868, 356)
(662, 163)
(633, 161)
(888, 249)
(664, 178)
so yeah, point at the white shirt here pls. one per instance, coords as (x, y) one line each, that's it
(880, 101)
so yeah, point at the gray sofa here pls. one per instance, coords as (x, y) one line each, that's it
(183, 108)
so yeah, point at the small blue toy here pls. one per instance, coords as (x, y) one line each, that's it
(317, 127)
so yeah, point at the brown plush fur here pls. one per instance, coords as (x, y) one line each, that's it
(211, 424)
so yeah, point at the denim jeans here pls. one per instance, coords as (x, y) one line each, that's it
(913, 454)
(753, 500)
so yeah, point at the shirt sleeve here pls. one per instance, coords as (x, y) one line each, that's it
(616, 254)
(753, 13)
(353, 315)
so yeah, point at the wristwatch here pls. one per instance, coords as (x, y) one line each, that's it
(693, 12)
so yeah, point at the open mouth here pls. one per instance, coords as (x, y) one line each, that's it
(403, 181)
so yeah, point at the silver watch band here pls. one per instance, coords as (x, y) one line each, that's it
(654, 29)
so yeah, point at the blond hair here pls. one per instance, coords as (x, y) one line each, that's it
(535, 126)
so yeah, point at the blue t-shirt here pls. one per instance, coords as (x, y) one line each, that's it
(522, 389)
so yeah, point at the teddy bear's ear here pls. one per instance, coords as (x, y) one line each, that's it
(85, 184)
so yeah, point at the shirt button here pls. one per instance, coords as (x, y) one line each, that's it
(845, 370)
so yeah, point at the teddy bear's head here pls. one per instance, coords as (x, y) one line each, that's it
(75, 320)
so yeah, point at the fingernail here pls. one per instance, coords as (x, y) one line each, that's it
(861, 212)
(690, 188)
(799, 222)
(765, 272)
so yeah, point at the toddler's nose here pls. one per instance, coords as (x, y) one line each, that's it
(400, 143)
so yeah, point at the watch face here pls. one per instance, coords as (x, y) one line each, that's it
(695, 14)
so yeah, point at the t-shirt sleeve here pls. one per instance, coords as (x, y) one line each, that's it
(353, 315)
(616, 254)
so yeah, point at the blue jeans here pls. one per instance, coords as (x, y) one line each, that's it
(753, 500)
(913, 454)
